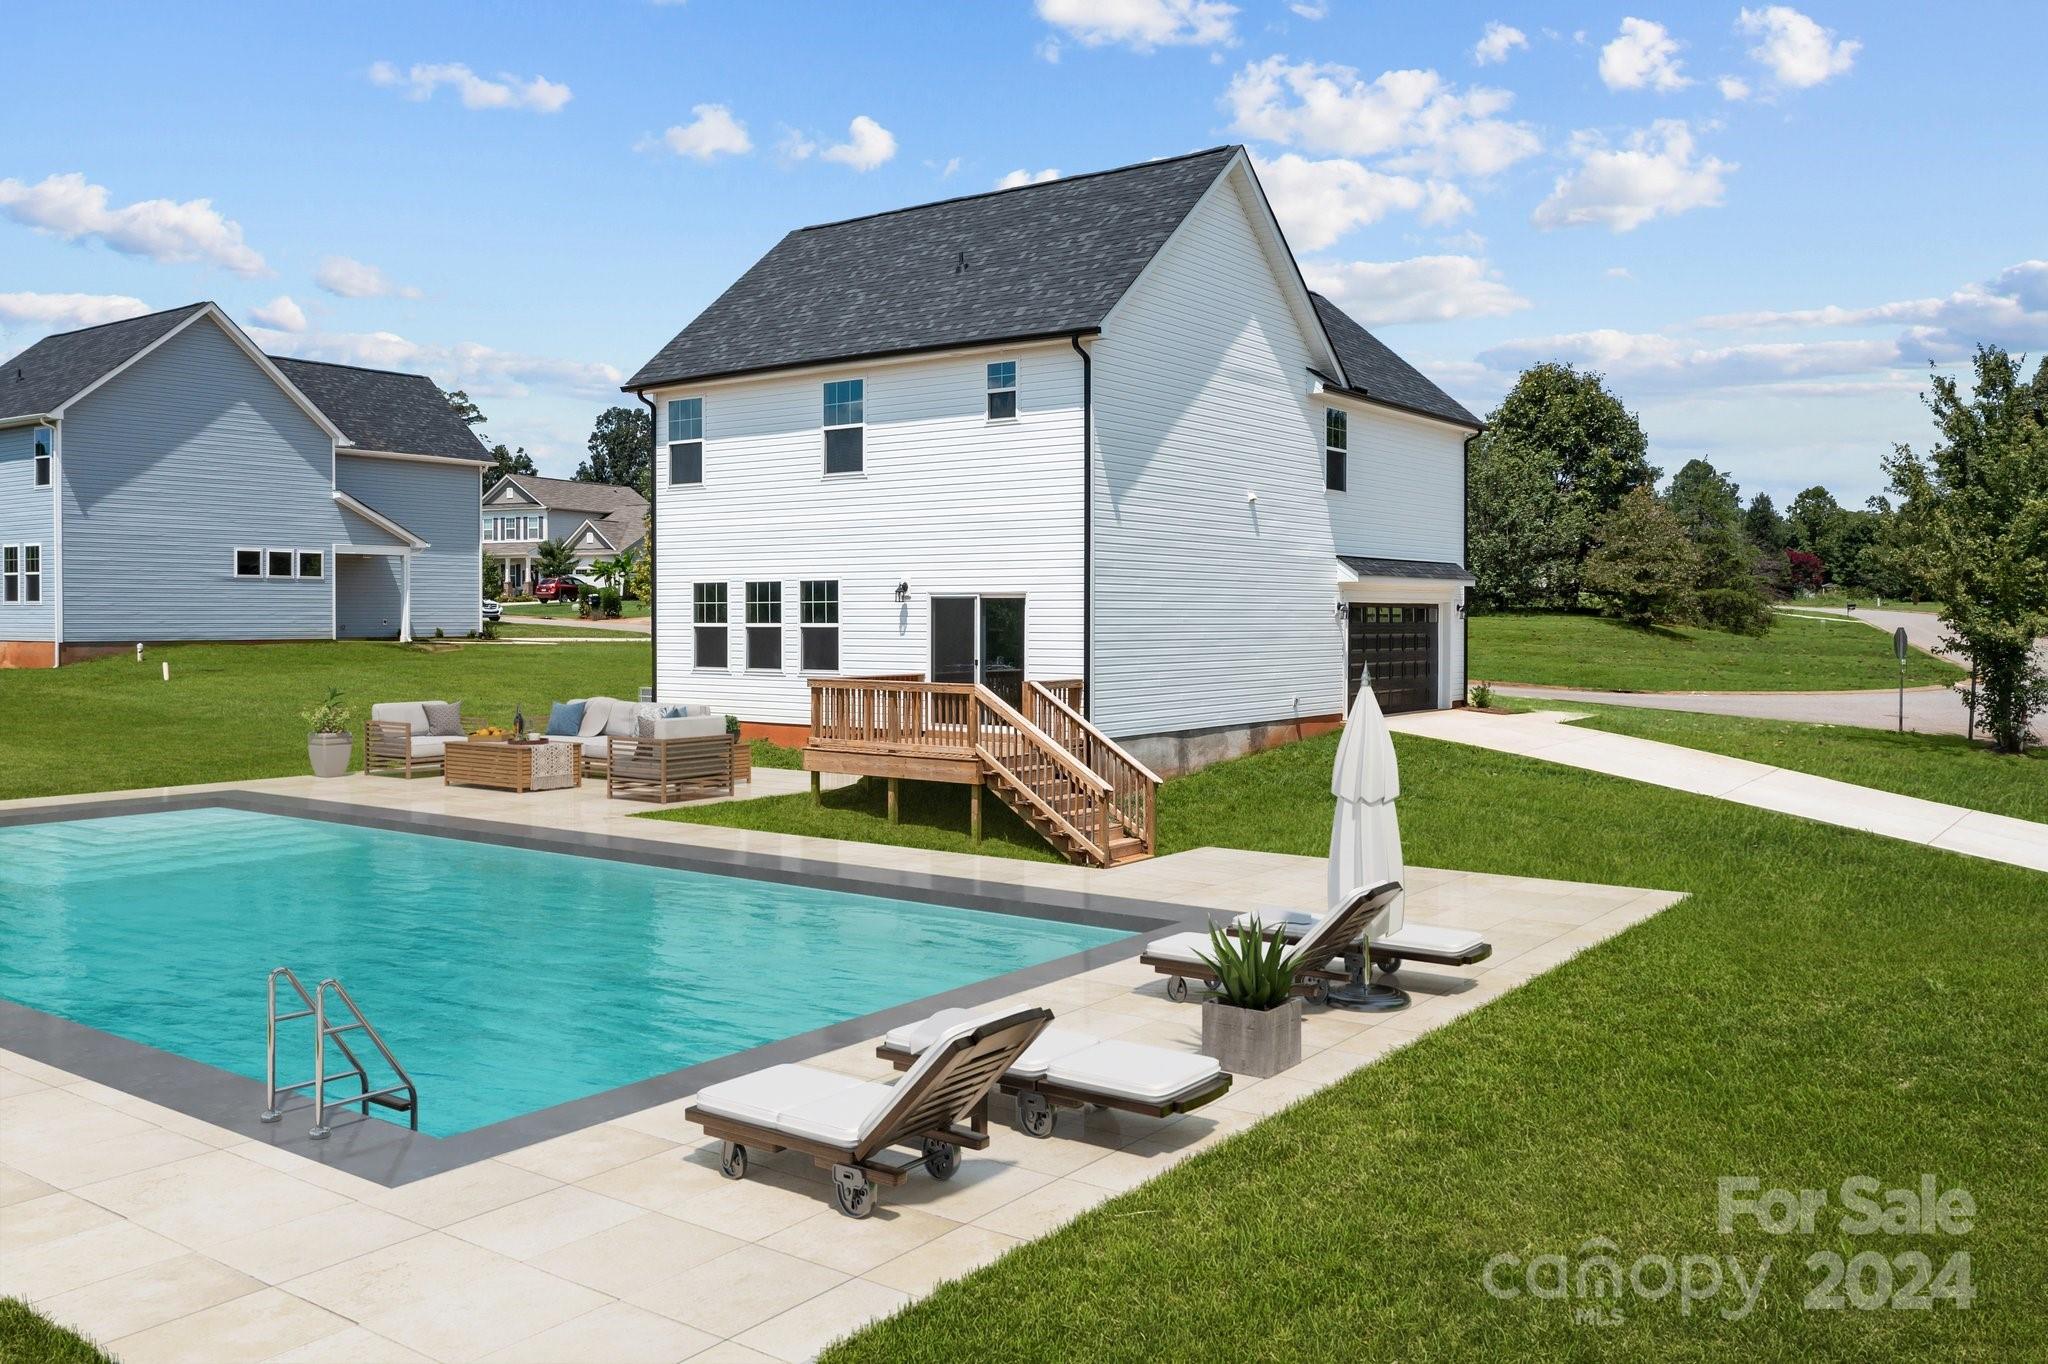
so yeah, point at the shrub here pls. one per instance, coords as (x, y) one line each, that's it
(329, 717)
(608, 602)
(1252, 972)
(1644, 567)
(1482, 696)
(1734, 610)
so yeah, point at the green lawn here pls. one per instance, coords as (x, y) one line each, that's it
(540, 629)
(1944, 767)
(232, 710)
(1827, 1004)
(27, 1337)
(542, 610)
(1555, 650)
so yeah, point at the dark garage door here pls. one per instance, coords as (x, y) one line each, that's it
(1398, 645)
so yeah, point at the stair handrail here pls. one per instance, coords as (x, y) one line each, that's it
(322, 1032)
(273, 1091)
(1089, 728)
(1043, 806)
(1146, 785)
(1055, 750)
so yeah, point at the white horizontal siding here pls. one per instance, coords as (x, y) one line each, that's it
(27, 517)
(948, 502)
(1407, 493)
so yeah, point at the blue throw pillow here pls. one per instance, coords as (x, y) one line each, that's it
(565, 718)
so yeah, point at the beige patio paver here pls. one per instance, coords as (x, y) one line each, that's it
(149, 1296)
(739, 1290)
(257, 1326)
(617, 1333)
(803, 1331)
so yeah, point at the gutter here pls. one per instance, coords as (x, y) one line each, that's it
(653, 524)
(1087, 524)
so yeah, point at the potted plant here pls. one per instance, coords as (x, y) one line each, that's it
(742, 751)
(1251, 1022)
(328, 741)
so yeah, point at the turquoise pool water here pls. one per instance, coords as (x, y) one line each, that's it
(507, 980)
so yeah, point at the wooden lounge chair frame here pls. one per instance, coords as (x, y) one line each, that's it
(387, 747)
(1039, 1100)
(1389, 959)
(926, 1112)
(1314, 970)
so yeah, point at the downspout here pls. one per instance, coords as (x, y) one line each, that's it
(1465, 562)
(1087, 524)
(653, 525)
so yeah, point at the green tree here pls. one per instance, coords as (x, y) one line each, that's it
(1766, 529)
(1708, 507)
(1705, 500)
(494, 578)
(511, 461)
(1560, 426)
(471, 414)
(553, 559)
(1977, 510)
(620, 451)
(1643, 567)
(1812, 523)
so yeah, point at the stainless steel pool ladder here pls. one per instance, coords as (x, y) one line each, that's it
(402, 1097)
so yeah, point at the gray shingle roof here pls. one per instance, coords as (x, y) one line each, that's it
(381, 409)
(596, 500)
(1404, 568)
(1370, 368)
(1041, 260)
(54, 369)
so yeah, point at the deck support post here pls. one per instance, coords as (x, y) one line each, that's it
(895, 810)
(817, 788)
(974, 811)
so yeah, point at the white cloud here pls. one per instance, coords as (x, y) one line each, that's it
(1659, 360)
(2009, 309)
(1733, 88)
(1644, 54)
(1317, 202)
(1316, 10)
(1049, 51)
(1798, 52)
(1423, 289)
(1025, 177)
(161, 230)
(280, 314)
(482, 370)
(714, 132)
(1417, 118)
(1655, 175)
(1143, 24)
(67, 312)
(1497, 42)
(868, 144)
(1619, 272)
(351, 278)
(422, 79)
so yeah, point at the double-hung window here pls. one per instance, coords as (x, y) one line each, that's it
(1336, 450)
(10, 573)
(764, 627)
(845, 426)
(31, 572)
(44, 437)
(686, 440)
(490, 528)
(1002, 391)
(708, 618)
(818, 615)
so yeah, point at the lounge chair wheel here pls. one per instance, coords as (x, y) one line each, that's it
(1387, 968)
(732, 1160)
(1177, 989)
(1035, 1116)
(853, 1191)
(941, 1158)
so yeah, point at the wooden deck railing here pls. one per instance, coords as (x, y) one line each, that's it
(1070, 690)
(893, 714)
(1134, 787)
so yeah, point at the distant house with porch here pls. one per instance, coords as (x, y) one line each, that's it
(596, 521)
(161, 478)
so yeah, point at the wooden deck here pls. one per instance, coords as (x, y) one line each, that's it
(1068, 780)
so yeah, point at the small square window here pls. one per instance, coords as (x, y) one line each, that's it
(309, 563)
(1002, 391)
(686, 419)
(248, 563)
(277, 563)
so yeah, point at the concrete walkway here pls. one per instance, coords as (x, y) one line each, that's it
(1998, 838)
(1929, 710)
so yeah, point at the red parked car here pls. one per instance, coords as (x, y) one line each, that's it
(555, 589)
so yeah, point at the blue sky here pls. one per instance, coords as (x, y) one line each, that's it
(1762, 223)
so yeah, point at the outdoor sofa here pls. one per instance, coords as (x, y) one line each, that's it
(605, 718)
(403, 737)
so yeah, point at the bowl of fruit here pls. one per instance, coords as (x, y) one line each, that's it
(491, 732)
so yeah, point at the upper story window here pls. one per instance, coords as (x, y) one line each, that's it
(708, 618)
(45, 439)
(845, 426)
(1336, 449)
(686, 440)
(764, 627)
(818, 615)
(1002, 391)
(490, 528)
(536, 528)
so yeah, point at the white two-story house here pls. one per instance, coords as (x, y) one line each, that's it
(1093, 429)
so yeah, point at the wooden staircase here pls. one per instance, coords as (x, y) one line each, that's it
(1065, 778)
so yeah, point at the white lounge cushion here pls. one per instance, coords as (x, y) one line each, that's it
(597, 712)
(1132, 1070)
(1291, 922)
(1429, 939)
(1188, 947)
(624, 722)
(840, 1118)
(431, 745)
(761, 1098)
(411, 713)
(1046, 1048)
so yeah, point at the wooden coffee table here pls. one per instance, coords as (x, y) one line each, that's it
(504, 765)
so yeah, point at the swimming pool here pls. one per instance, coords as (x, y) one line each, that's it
(506, 979)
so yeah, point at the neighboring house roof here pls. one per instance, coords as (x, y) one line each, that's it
(575, 495)
(382, 409)
(621, 530)
(55, 369)
(1037, 261)
(1375, 372)
(1404, 568)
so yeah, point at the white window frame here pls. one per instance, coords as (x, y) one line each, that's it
(31, 578)
(781, 643)
(10, 575)
(825, 430)
(235, 561)
(1343, 420)
(723, 625)
(299, 558)
(993, 388)
(491, 529)
(43, 446)
(671, 415)
(290, 554)
(805, 625)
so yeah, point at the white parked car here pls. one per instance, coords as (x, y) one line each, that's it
(492, 611)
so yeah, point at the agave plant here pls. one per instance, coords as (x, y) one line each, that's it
(1252, 971)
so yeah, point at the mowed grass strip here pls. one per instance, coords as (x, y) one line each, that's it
(1796, 654)
(1826, 1004)
(1943, 767)
(231, 711)
(29, 1337)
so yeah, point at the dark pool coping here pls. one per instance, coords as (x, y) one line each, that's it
(390, 1155)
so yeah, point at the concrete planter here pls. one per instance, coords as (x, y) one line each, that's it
(1260, 1042)
(330, 753)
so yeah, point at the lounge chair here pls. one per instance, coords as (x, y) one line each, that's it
(847, 1125)
(397, 738)
(1065, 1069)
(1315, 958)
(1425, 943)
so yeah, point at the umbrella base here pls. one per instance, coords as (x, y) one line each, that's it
(1362, 997)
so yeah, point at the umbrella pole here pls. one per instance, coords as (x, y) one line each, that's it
(1361, 995)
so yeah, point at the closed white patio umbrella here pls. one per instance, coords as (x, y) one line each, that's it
(1365, 836)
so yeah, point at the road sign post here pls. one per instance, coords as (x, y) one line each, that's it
(1899, 651)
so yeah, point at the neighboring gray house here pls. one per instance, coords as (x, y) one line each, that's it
(595, 520)
(163, 479)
